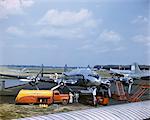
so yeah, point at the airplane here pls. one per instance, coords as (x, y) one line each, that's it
(32, 80)
(89, 78)
(134, 73)
(84, 77)
(127, 76)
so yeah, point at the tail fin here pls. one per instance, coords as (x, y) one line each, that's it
(23, 70)
(42, 67)
(65, 68)
(135, 68)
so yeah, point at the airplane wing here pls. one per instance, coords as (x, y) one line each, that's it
(27, 78)
(81, 72)
(13, 76)
(116, 72)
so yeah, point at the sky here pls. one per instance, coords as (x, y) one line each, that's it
(74, 32)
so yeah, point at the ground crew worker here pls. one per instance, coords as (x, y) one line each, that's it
(70, 97)
(76, 97)
(94, 96)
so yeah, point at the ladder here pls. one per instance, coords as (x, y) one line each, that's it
(120, 91)
(139, 93)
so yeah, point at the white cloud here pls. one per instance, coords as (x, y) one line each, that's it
(14, 31)
(26, 3)
(101, 48)
(109, 36)
(86, 47)
(13, 7)
(29, 46)
(142, 39)
(68, 24)
(67, 18)
(139, 20)
(64, 33)
(106, 42)
(119, 48)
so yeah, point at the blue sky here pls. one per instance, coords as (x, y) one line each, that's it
(74, 32)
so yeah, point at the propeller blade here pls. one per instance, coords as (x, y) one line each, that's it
(129, 89)
(25, 80)
(38, 74)
(109, 92)
(37, 87)
(42, 70)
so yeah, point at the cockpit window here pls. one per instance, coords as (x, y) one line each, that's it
(73, 77)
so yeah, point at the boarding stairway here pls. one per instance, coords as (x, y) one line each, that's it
(120, 93)
(143, 88)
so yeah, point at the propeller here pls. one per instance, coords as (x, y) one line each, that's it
(106, 84)
(129, 89)
(25, 80)
(33, 80)
(129, 81)
(108, 88)
(109, 92)
(130, 85)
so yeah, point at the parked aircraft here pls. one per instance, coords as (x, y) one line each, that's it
(78, 77)
(85, 77)
(127, 76)
(134, 73)
(32, 80)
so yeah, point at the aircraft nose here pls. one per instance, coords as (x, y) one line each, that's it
(97, 81)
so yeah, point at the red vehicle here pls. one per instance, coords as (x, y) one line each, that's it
(41, 97)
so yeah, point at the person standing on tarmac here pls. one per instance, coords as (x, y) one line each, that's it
(94, 96)
(76, 97)
(70, 97)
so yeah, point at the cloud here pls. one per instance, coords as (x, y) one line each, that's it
(105, 42)
(13, 7)
(119, 48)
(15, 31)
(29, 46)
(67, 18)
(68, 24)
(26, 3)
(98, 49)
(142, 39)
(140, 20)
(63, 33)
(109, 36)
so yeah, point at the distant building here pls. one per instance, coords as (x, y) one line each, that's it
(121, 67)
